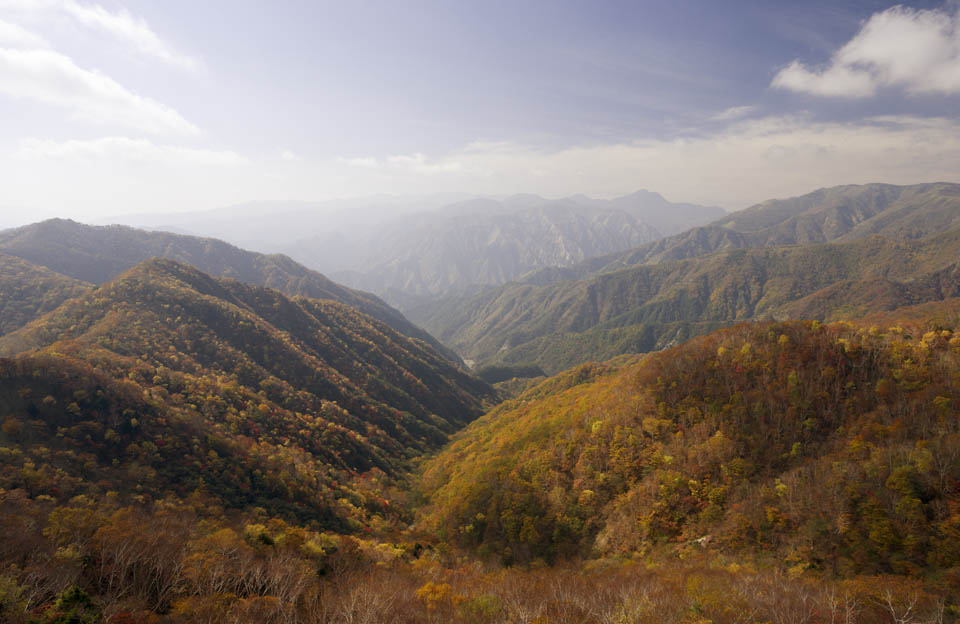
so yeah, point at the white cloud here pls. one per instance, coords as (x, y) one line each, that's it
(125, 27)
(289, 156)
(123, 150)
(733, 113)
(835, 81)
(915, 50)
(52, 78)
(748, 161)
(16, 36)
(120, 25)
(418, 163)
(365, 163)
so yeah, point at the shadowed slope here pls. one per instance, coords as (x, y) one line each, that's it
(97, 254)
(319, 384)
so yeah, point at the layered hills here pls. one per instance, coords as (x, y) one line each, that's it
(411, 250)
(836, 214)
(470, 244)
(652, 305)
(179, 447)
(28, 290)
(97, 254)
(167, 380)
(832, 448)
(479, 247)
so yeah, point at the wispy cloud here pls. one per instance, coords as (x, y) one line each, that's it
(289, 156)
(419, 163)
(120, 24)
(16, 36)
(52, 78)
(733, 113)
(416, 163)
(914, 50)
(130, 29)
(748, 161)
(362, 162)
(126, 150)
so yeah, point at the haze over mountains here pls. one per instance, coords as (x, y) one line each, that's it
(841, 213)
(96, 254)
(767, 261)
(253, 413)
(563, 299)
(269, 226)
(494, 383)
(413, 251)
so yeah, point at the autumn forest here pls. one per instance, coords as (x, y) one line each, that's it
(190, 432)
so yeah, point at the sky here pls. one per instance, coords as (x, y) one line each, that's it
(172, 105)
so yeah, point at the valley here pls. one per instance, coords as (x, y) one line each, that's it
(673, 428)
(535, 312)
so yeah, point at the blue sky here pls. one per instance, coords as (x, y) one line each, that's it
(118, 107)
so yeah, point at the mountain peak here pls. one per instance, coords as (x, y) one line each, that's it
(644, 194)
(98, 254)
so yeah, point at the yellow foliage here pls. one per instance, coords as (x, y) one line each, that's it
(437, 595)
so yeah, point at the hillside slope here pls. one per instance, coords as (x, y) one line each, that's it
(647, 307)
(97, 254)
(836, 214)
(28, 290)
(833, 448)
(319, 390)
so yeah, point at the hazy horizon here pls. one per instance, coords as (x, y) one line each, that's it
(124, 108)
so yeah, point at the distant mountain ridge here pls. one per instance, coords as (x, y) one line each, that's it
(649, 306)
(841, 213)
(96, 254)
(468, 245)
(411, 250)
(471, 249)
(652, 208)
(269, 226)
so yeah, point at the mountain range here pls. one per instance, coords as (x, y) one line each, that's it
(468, 245)
(413, 250)
(96, 254)
(194, 432)
(329, 390)
(897, 249)
(836, 214)
(419, 261)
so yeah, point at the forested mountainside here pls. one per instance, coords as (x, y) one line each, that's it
(469, 244)
(178, 447)
(28, 290)
(787, 471)
(648, 307)
(166, 380)
(833, 448)
(836, 214)
(97, 254)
